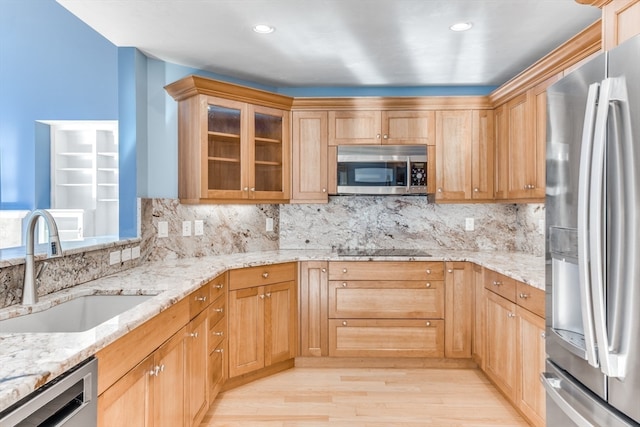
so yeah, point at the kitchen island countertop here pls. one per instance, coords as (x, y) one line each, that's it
(29, 360)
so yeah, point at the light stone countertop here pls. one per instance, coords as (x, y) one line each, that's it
(29, 360)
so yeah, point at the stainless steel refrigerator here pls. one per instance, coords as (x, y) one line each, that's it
(592, 373)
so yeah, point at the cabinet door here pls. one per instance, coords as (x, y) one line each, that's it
(354, 127)
(530, 397)
(482, 155)
(620, 22)
(169, 383)
(280, 322)
(223, 151)
(130, 400)
(458, 310)
(479, 326)
(521, 155)
(501, 165)
(453, 155)
(197, 355)
(246, 330)
(313, 308)
(268, 165)
(501, 343)
(408, 127)
(309, 161)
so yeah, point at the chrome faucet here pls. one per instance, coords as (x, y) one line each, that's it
(29, 295)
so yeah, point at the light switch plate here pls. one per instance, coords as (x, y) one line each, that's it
(114, 258)
(469, 224)
(269, 224)
(126, 254)
(186, 228)
(198, 227)
(163, 229)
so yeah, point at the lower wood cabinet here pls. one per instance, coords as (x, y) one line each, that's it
(530, 395)
(262, 319)
(313, 321)
(458, 310)
(197, 357)
(500, 362)
(479, 314)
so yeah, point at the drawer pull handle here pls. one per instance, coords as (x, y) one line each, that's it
(219, 350)
(219, 286)
(219, 310)
(496, 283)
(524, 296)
(511, 315)
(344, 323)
(218, 333)
(428, 323)
(193, 335)
(265, 275)
(203, 299)
(428, 285)
(344, 284)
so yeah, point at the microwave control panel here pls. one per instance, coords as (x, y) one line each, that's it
(418, 174)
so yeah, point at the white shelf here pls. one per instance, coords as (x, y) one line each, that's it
(75, 184)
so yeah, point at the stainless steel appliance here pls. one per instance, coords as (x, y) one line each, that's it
(382, 169)
(593, 243)
(69, 401)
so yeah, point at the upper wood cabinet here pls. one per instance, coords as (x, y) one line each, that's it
(620, 22)
(464, 155)
(309, 157)
(521, 125)
(233, 143)
(381, 127)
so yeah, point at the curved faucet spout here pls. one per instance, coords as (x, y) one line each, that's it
(29, 295)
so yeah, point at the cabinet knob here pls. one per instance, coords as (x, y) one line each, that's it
(324, 270)
(428, 323)
(377, 136)
(475, 190)
(324, 190)
(218, 333)
(268, 294)
(511, 315)
(265, 275)
(344, 270)
(261, 296)
(219, 350)
(246, 188)
(344, 323)
(543, 335)
(385, 136)
(428, 285)
(449, 271)
(344, 284)
(219, 310)
(219, 286)
(524, 296)
(203, 299)
(496, 283)
(253, 188)
(193, 335)
(428, 271)
(440, 190)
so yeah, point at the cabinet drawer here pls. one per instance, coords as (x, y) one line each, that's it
(263, 275)
(217, 311)
(218, 286)
(386, 299)
(386, 338)
(530, 298)
(217, 333)
(198, 301)
(216, 371)
(386, 270)
(500, 284)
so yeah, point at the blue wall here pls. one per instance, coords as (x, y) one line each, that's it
(52, 67)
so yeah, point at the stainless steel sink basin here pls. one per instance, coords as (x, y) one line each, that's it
(76, 315)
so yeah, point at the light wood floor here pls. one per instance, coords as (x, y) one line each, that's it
(365, 397)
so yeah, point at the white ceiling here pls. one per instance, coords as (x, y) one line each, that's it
(342, 42)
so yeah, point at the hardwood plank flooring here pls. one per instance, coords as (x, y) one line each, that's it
(365, 397)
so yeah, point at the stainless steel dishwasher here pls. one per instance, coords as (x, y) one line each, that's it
(69, 400)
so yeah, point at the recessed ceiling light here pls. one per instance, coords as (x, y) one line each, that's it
(461, 26)
(263, 29)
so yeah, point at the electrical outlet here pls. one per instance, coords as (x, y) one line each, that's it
(114, 258)
(198, 227)
(163, 229)
(186, 228)
(135, 252)
(469, 224)
(269, 224)
(126, 254)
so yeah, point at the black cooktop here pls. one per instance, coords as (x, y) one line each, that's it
(383, 252)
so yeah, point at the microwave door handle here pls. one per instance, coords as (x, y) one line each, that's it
(584, 191)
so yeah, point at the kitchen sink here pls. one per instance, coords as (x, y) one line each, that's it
(76, 315)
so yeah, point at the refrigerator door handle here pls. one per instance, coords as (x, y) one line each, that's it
(553, 387)
(584, 191)
(612, 358)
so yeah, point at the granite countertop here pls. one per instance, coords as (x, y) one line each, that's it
(29, 360)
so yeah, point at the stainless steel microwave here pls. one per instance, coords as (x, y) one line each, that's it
(382, 169)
